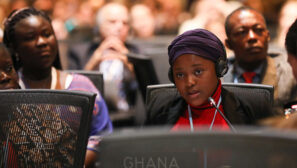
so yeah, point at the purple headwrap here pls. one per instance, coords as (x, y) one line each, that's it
(199, 42)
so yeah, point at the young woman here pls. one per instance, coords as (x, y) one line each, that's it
(29, 35)
(19, 142)
(198, 60)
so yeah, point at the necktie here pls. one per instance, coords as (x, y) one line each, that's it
(248, 76)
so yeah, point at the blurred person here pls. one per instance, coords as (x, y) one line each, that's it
(248, 37)
(2, 18)
(210, 15)
(26, 153)
(169, 16)
(203, 11)
(291, 46)
(80, 26)
(8, 80)
(96, 4)
(63, 22)
(197, 60)
(45, 6)
(8, 75)
(255, 4)
(17, 4)
(109, 56)
(30, 37)
(142, 21)
(85, 14)
(288, 14)
(59, 18)
(289, 121)
(112, 21)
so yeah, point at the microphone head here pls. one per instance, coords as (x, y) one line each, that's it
(211, 101)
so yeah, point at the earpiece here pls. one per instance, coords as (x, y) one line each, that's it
(222, 64)
(221, 67)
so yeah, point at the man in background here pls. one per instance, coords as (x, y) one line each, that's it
(248, 37)
(118, 60)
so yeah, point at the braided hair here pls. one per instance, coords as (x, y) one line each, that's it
(9, 32)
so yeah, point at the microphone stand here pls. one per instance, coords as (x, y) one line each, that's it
(213, 103)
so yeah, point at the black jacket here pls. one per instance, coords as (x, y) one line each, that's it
(165, 110)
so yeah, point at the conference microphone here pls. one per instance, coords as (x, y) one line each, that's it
(213, 103)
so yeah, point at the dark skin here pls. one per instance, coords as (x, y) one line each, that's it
(37, 48)
(195, 78)
(8, 76)
(36, 45)
(248, 38)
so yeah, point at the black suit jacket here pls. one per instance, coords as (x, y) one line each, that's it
(166, 110)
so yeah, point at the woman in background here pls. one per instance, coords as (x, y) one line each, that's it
(29, 35)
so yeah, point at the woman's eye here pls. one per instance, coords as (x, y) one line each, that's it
(47, 33)
(198, 72)
(179, 75)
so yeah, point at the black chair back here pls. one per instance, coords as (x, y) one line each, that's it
(144, 71)
(44, 128)
(95, 76)
(259, 96)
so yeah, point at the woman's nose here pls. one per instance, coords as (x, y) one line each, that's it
(190, 81)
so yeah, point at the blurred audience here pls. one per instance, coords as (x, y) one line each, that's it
(18, 4)
(248, 37)
(59, 18)
(203, 11)
(44, 5)
(287, 16)
(255, 4)
(169, 15)
(210, 15)
(291, 46)
(2, 18)
(142, 21)
(30, 37)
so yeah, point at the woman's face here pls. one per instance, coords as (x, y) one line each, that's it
(8, 76)
(35, 42)
(195, 78)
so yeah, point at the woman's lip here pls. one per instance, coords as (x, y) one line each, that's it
(45, 53)
(194, 94)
